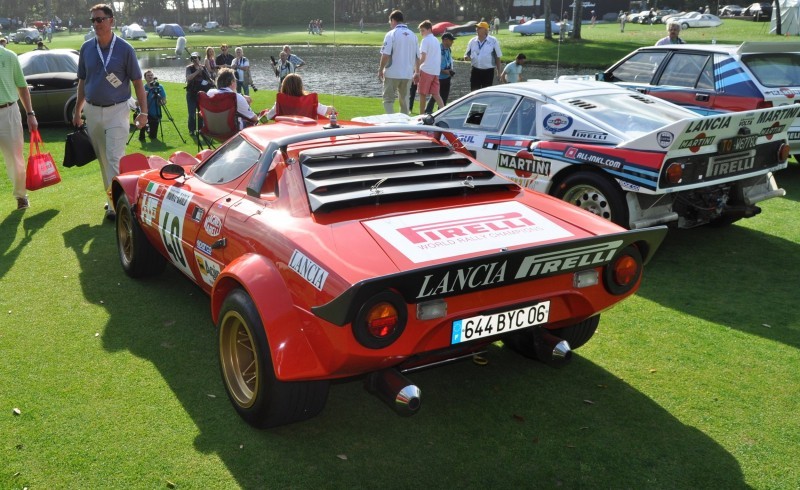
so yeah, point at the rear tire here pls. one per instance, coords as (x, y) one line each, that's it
(249, 374)
(139, 258)
(596, 194)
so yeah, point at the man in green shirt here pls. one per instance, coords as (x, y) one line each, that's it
(12, 88)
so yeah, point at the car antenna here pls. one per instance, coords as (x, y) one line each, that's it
(334, 123)
(560, 38)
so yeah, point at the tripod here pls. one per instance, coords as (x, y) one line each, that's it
(160, 107)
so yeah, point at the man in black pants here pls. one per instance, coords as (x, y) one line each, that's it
(483, 52)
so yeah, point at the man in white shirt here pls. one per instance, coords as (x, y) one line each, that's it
(398, 63)
(226, 83)
(430, 61)
(483, 52)
(673, 29)
(512, 71)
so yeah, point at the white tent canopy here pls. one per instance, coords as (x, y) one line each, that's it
(790, 18)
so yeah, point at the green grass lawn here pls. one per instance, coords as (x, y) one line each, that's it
(692, 383)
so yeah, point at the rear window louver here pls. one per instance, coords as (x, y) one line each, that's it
(373, 173)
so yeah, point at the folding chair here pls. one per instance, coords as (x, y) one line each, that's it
(219, 117)
(290, 105)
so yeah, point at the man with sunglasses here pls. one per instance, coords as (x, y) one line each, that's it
(224, 59)
(106, 68)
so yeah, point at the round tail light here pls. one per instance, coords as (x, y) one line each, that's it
(380, 320)
(623, 272)
(783, 152)
(675, 173)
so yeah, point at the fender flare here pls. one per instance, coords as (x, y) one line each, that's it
(292, 355)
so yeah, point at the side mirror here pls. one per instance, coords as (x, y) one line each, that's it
(600, 77)
(171, 171)
(428, 120)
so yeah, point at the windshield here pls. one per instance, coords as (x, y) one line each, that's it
(774, 69)
(629, 113)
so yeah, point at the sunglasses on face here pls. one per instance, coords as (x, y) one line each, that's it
(98, 20)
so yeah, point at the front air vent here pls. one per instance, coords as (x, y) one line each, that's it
(644, 100)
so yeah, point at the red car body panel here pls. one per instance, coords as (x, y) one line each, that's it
(306, 270)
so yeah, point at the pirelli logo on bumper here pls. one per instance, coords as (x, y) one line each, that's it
(718, 167)
(490, 274)
(567, 260)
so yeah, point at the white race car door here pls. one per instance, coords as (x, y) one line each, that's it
(476, 118)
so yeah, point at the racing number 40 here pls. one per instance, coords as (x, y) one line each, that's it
(171, 231)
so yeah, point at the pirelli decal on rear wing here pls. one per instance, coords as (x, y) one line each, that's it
(718, 134)
(492, 271)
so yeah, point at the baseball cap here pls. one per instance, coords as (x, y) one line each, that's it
(194, 55)
(483, 25)
(448, 35)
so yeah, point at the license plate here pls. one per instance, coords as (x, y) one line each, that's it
(480, 326)
(740, 143)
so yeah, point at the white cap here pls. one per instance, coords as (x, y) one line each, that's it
(195, 55)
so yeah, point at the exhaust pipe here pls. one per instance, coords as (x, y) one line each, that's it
(550, 348)
(395, 390)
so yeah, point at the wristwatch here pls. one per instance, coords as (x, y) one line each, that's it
(31, 113)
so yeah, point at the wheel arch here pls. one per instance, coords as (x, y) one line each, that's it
(570, 170)
(292, 355)
(124, 184)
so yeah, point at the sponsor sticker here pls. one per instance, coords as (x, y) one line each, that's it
(594, 157)
(308, 269)
(695, 143)
(665, 139)
(203, 247)
(153, 188)
(589, 135)
(709, 124)
(488, 274)
(435, 235)
(209, 269)
(556, 122)
(718, 167)
(171, 225)
(213, 225)
(523, 167)
(466, 138)
(149, 209)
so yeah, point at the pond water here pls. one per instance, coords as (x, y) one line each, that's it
(346, 70)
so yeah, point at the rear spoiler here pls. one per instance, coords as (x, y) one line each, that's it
(507, 267)
(702, 134)
(768, 47)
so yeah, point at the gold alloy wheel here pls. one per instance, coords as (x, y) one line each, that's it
(238, 358)
(125, 234)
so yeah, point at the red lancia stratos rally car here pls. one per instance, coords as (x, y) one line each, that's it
(367, 250)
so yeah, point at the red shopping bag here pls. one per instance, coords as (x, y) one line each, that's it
(42, 171)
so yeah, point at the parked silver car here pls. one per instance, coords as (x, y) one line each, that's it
(52, 76)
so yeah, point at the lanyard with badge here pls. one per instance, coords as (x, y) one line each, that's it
(112, 79)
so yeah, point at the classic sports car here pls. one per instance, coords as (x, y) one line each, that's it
(716, 78)
(631, 158)
(537, 26)
(367, 250)
(702, 20)
(52, 76)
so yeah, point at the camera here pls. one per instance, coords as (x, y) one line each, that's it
(154, 82)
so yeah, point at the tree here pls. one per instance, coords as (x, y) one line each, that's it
(577, 15)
